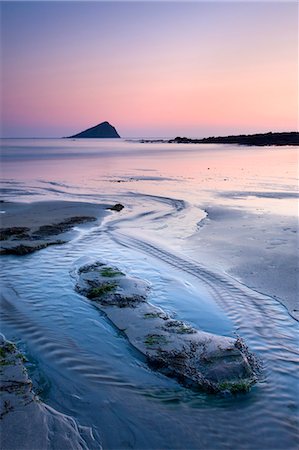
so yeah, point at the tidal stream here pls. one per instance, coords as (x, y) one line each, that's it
(83, 367)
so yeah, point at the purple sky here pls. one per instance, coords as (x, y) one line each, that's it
(151, 69)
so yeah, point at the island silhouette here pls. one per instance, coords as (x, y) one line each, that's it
(103, 130)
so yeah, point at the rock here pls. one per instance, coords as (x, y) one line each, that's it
(22, 240)
(259, 139)
(22, 249)
(61, 227)
(196, 358)
(183, 140)
(13, 232)
(117, 207)
(26, 422)
(102, 130)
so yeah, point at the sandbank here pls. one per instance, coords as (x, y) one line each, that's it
(259, 250)
(26, 227)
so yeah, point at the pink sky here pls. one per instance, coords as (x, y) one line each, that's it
(159, 69)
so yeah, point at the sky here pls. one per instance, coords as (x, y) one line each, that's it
(151, 69)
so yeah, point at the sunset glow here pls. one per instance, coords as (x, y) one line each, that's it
(150, 69)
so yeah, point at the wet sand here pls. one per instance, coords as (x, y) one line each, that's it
(52, 222)
(26, 227)
(247, 246)
(36, 215)
(26, 422)
(201, 272)
(37, 423)
(259, 250)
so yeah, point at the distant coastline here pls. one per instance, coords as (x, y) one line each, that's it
(259, 139)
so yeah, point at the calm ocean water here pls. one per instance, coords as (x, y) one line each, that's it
(214, 230)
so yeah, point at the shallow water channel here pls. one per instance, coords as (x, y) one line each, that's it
(85, 367)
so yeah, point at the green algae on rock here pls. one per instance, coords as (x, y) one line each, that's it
(197, 359)
(110, 272)
(100, 291)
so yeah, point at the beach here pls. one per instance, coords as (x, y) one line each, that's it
(215, 244)
(149, 283)
(27, 227)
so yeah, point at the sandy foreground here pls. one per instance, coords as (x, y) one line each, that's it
(37, 214)
(259, 250)
(29, 227)
(26, 227)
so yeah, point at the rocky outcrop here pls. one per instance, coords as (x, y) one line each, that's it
(24, 240)
(259, 139)
(26, 422)
(102, 130)
(117, 207)
(196, 358)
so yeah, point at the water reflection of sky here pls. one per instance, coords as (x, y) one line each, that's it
(256, 178)
(229, 182)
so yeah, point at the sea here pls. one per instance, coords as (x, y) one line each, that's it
(214, 230)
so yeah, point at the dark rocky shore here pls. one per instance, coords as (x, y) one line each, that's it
(259, 139)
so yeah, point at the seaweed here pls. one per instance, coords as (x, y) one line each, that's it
(5, 350)
(101, 290)
(110, 272)
(155, 339)
(179, 327)
(8, 347)
(235, 386)
(154, 315)
(15, 232)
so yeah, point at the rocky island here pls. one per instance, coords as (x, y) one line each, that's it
(103, 130)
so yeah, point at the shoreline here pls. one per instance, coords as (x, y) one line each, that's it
(258, 139)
